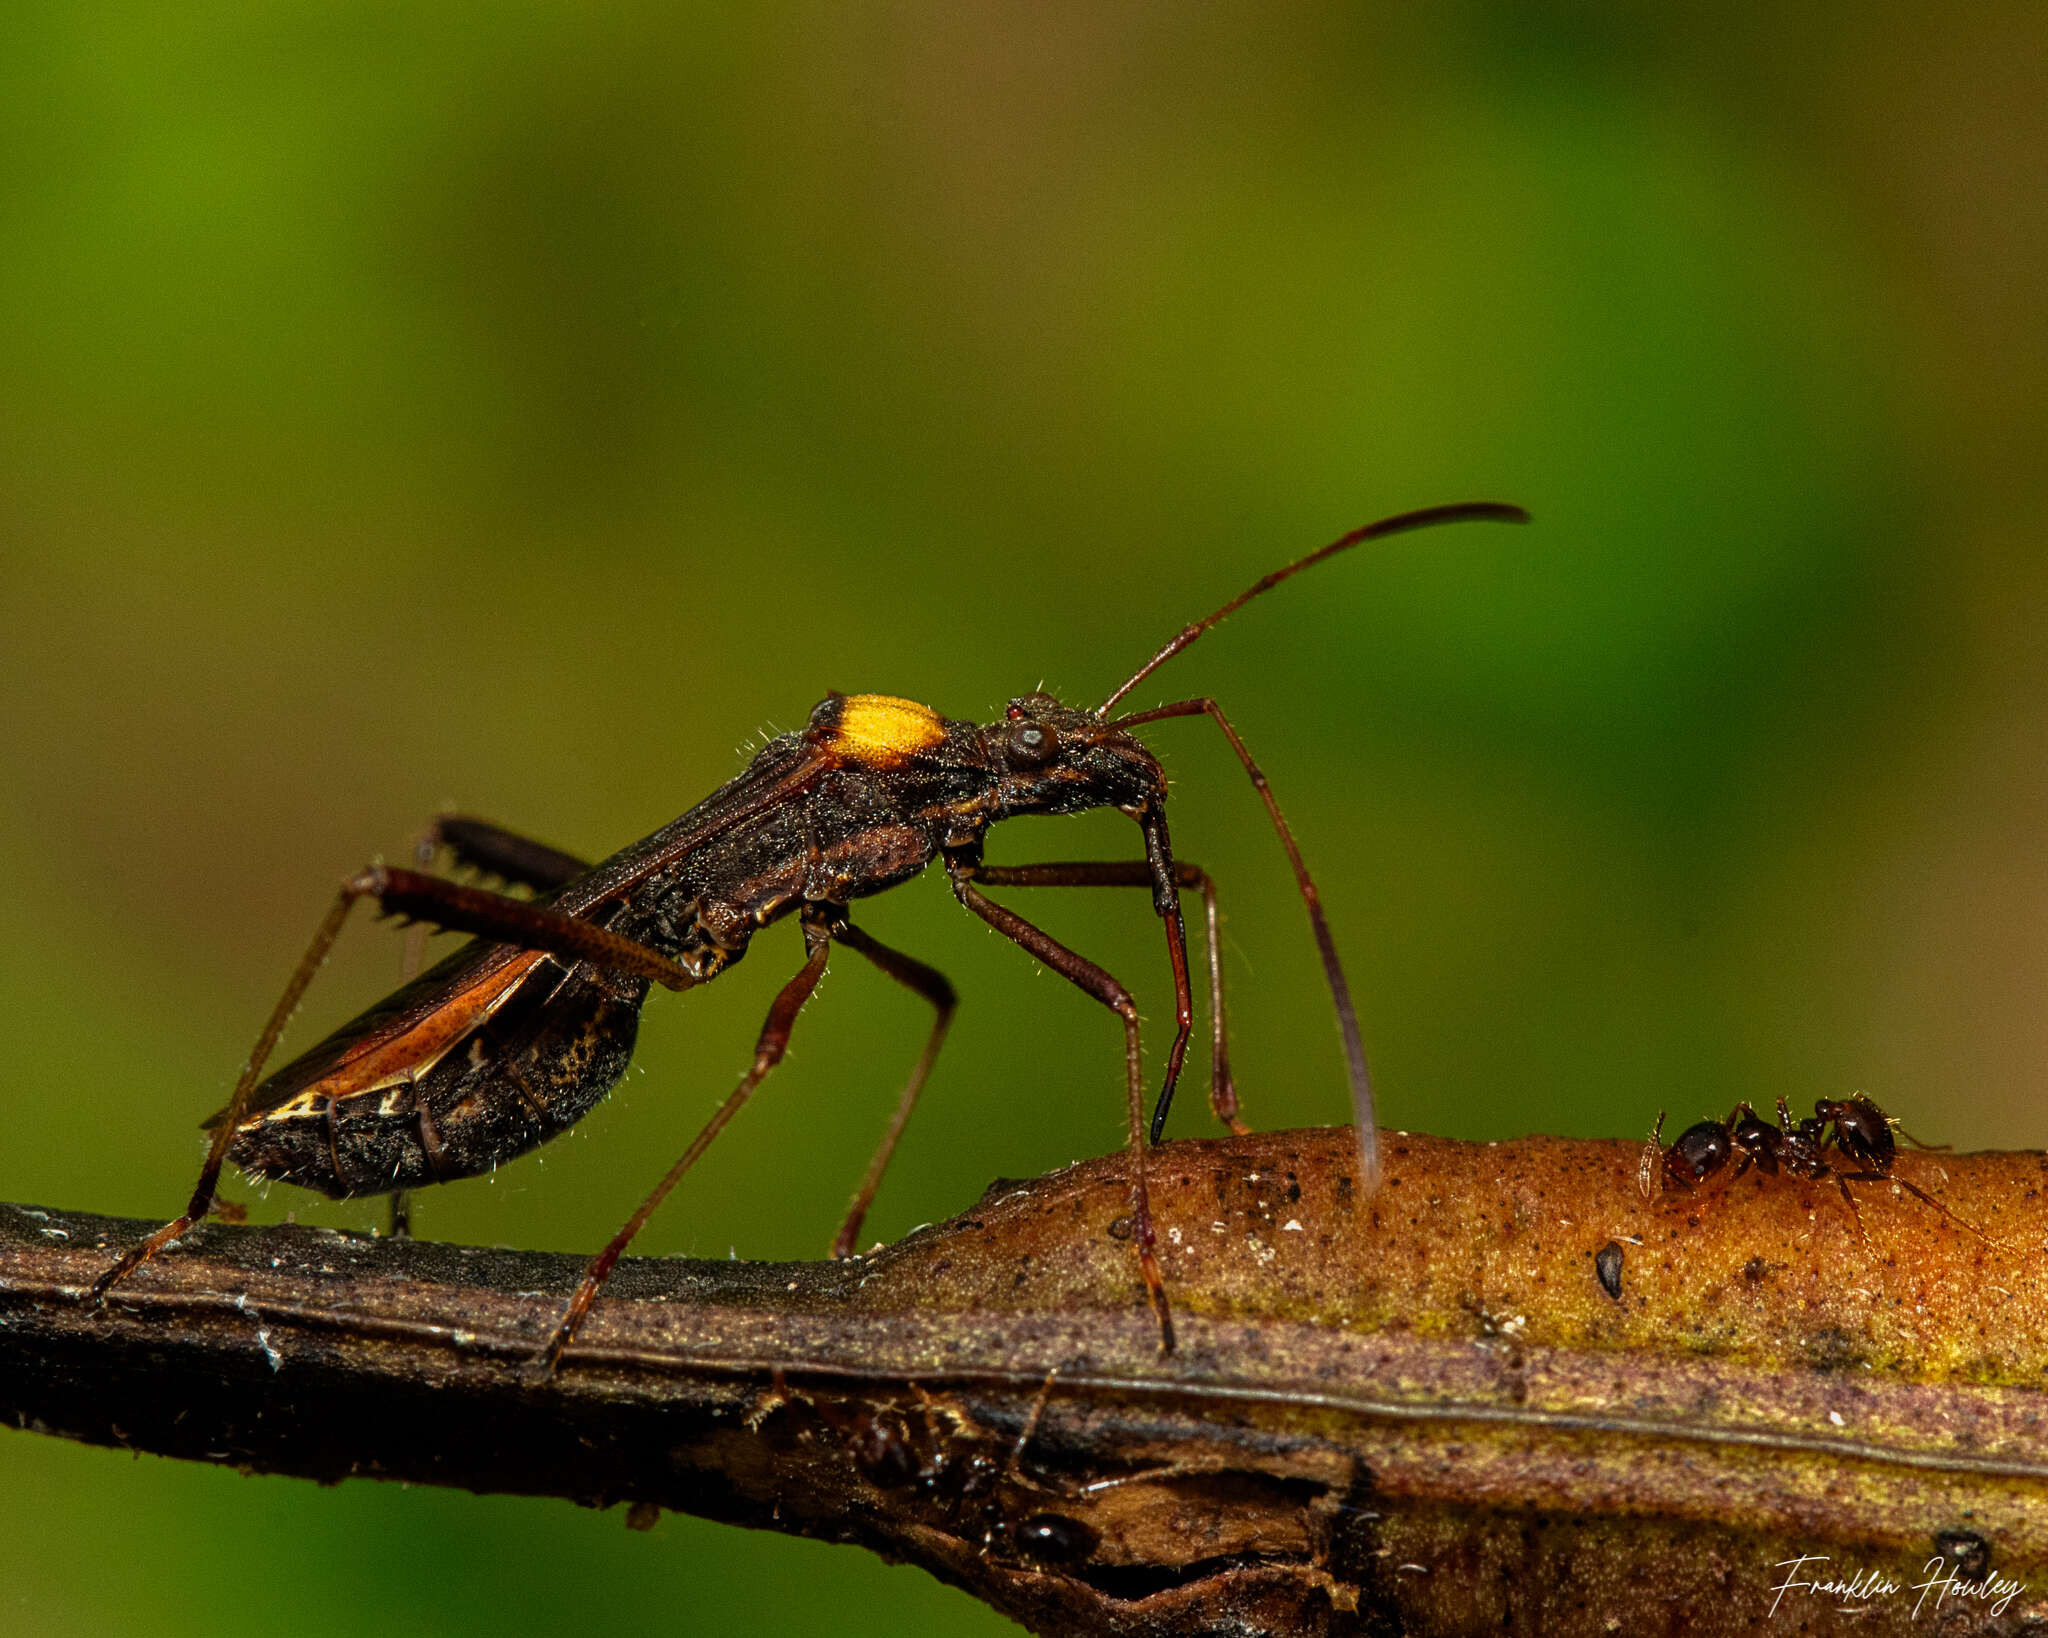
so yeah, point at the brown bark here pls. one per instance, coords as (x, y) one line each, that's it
(1423, 1414)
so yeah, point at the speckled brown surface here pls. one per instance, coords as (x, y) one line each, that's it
(1424, 1413)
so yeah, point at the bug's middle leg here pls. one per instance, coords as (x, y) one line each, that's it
(1079, 971)
(1138, 873)
(933, 985)
(768, 1051)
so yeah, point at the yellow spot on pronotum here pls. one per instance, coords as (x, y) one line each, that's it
(883, 731)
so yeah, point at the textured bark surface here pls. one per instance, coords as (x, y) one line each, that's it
(1421, 1414)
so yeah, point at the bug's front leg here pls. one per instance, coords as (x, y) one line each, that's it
(1139, 873)
(1326, 945)
(1092, 980)
(423, 898)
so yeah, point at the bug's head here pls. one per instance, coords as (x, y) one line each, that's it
(1051, 758)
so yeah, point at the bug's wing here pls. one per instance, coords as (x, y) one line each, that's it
(405, 1033)
(784, 767)
(411, 1029)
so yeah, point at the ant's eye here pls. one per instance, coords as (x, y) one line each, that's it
(1030, 745)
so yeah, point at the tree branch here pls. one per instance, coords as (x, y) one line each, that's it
(1424, 1414)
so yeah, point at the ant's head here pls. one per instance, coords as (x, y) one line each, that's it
(1862, 1132)
(1051, 758)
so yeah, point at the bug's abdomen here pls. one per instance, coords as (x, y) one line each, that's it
(527, 1072)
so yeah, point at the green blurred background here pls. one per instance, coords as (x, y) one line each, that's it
(528, 408)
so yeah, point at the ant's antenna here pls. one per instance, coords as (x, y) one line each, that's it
(1428, 517)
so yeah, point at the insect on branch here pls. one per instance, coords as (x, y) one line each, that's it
(513, 1039)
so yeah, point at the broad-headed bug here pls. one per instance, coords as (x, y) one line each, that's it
(514, 1037)
(1863, 1151)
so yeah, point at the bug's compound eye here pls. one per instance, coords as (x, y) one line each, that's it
(1030, 745)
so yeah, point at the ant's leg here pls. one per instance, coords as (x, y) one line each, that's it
(930, 983)
(1138, 873)
(496, 851)
(1842, 1182)
(768, 1051)
(423, 898)
(1918, 1193)
(1013, 1470)
(1326, 946)
(1092, 980)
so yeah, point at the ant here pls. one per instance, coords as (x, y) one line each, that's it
(1863, 1151)
(957, 1470)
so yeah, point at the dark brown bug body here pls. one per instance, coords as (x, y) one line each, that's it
(514, 1038)
(498, 1049)
(1847, 1139)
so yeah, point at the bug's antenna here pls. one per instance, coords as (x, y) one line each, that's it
(1333, 970)
(1428, 517)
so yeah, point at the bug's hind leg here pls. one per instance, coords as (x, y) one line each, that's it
(768, 1051)
(423, 898)
(498, 852)
(933, 985)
